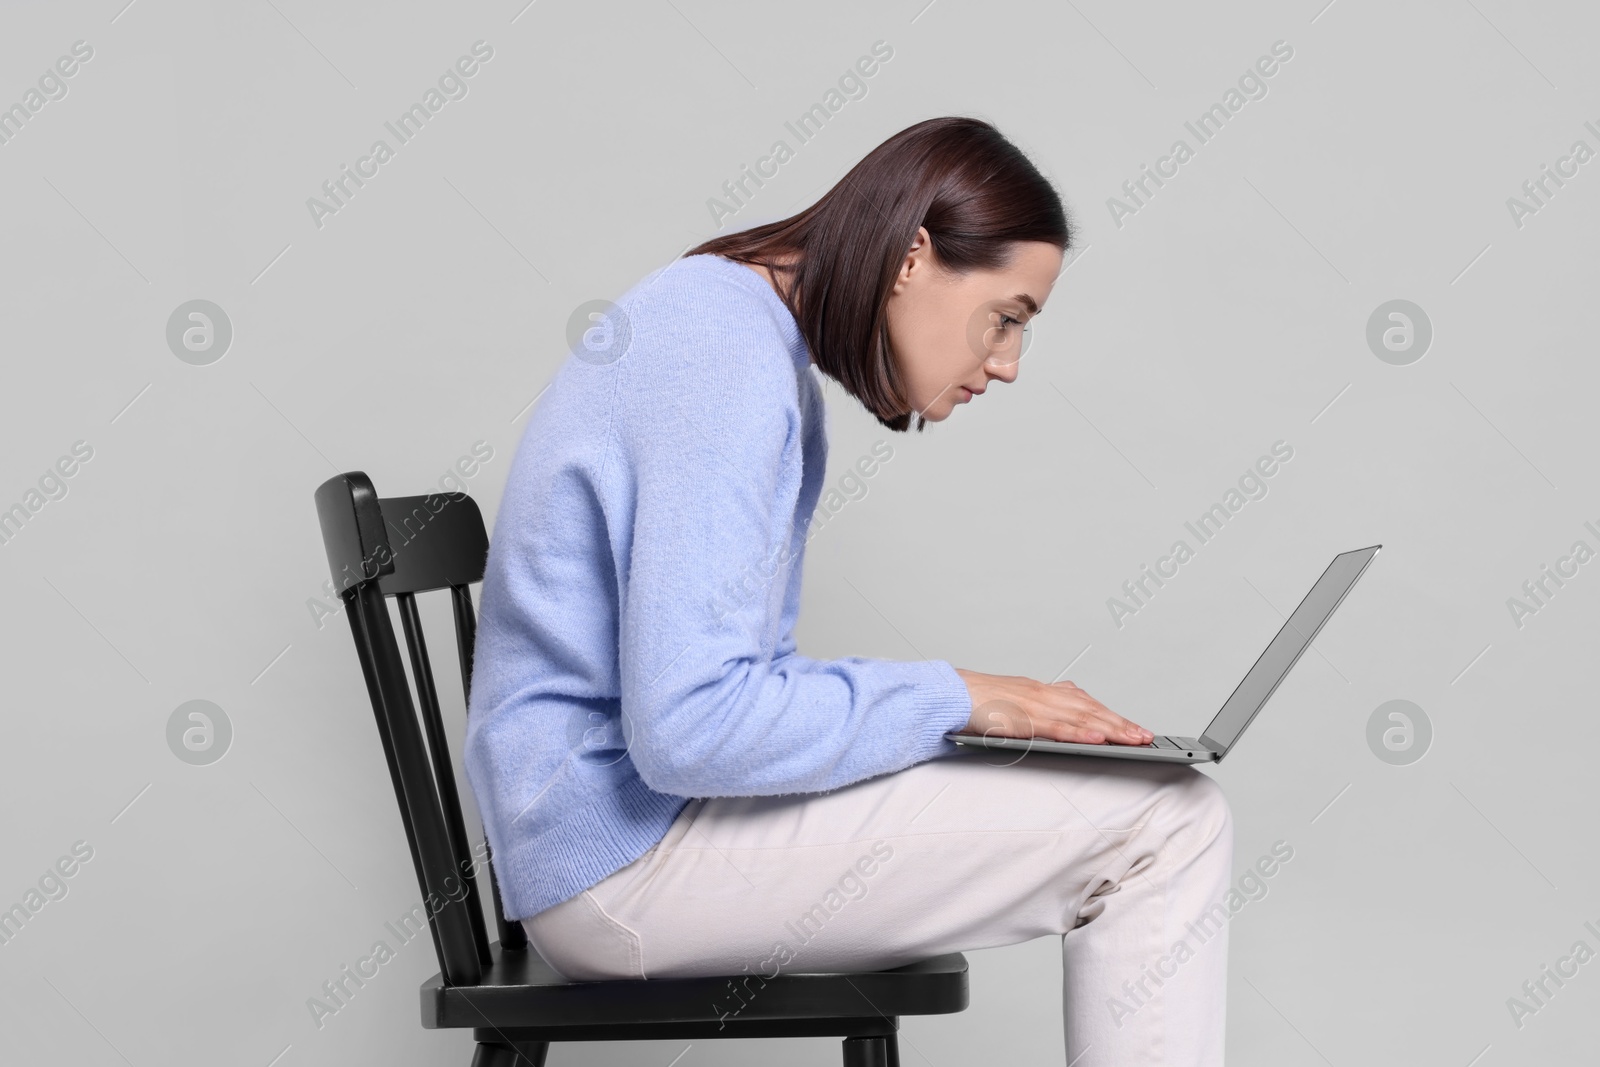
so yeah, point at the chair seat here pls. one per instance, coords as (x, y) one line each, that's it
(520, 990)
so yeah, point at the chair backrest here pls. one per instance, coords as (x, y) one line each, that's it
(399, 547)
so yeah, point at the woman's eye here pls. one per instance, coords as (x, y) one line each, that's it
(1008, 319)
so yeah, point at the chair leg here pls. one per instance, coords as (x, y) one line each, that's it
(534, 1052)
(525, 1054)
(892, 1042)
(868, 1052)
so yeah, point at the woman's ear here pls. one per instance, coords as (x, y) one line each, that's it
(916, 259)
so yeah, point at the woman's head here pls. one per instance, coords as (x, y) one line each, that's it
(911, 277)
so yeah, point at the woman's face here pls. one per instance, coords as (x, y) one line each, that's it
(951, 336)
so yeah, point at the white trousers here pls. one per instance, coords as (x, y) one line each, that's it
(1127, 860)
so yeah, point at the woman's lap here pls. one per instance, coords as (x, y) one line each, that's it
(957, 853)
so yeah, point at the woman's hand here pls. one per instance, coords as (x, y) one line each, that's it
(1005, 705)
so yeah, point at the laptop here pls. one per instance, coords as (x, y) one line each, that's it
(1219, 738)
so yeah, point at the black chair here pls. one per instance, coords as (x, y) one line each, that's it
(513, 1002)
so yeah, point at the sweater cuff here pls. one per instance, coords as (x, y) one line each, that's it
(944, 704)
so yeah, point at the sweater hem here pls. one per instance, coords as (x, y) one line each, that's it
(582, 851)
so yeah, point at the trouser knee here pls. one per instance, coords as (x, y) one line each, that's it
(1197, 803)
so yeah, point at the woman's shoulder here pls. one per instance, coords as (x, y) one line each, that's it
(699, 289)
(706, 316)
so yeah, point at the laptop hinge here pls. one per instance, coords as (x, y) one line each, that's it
(1212, 745)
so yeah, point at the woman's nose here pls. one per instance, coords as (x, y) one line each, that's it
(1003, 365)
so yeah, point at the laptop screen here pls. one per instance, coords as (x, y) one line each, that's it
(1296, 635)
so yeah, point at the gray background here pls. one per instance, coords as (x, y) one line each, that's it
(1228, 313)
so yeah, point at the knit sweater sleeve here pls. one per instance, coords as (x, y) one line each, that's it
(709, 706)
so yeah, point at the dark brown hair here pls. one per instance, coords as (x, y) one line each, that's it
(975, 192)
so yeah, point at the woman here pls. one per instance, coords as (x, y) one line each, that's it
(668, 786)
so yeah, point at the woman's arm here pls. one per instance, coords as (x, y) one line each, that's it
(711, 469)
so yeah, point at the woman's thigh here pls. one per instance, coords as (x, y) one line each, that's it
(962, 852)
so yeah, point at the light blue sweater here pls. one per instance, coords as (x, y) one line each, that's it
(636, 635)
